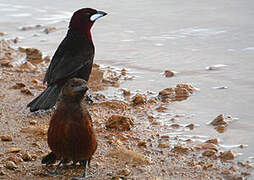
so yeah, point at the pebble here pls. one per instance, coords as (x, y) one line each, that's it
(123, 71)
(227, 155)
(169, 73)
(49, 30)
(139, 99)
(125, 172)
(26, 156)
(181, 149)
(126, 92)
(190, 126)
(13, 150)
(213, 141)
(119, 122)
(46, 59)
(142, 144)
(10, 165)
(5, 62)
(26, 91)
(33, 122)
(221, 120)
(163, 145)
(6, 138)
(209, 153)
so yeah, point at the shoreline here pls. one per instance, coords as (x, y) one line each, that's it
(145, 151)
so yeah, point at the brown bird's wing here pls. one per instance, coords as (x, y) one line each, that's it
(68, 59)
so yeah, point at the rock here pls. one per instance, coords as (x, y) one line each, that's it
(161, 108)
(209, 153)
(221, 120)
(10, 165)
(26, 91)
(26, 156)
(167, 93)
(129, 157)
(188, 87)
(1, 33)
(6, 63)
(227, 155)
(28, 65)
(49, 30)
(221, 128)
(6, 138)
(46, 59)
(123, 71)
(181, 94)
(169, 73)
(141, 144)
(33, 122)
(209, 146)
(126, 92)
(125, 172)
(33, 55)
(13, 150)
(175, 126)
(181, 149)
(18, 85)
(139, 99)
(190, 126)
(163, 145)
(213, 141)
(119, 122)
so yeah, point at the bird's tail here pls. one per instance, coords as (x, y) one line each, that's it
(46, 100)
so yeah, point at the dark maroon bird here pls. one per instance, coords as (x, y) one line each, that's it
(71, 135)
(73, 58)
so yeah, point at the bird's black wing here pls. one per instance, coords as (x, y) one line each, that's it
(66, 61)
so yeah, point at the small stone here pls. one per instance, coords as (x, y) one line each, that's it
(1, 33)
(10, 165)
(6, 138)
(181, 94)
(13, 150)
(26, 156)
(139, 99)
(209, 153)
(209, 146)
(161, 108)
(125, 172)
(5, 62)
(46, 59)
(35, 81)
(213, 141)
(142, 144)
(123, 71)
(188, 87)
(221, 120)
(2, 173)
(28, 65)
(33, 55)
(226, 156)
(18, 85)
(119, 122)
(33, 122)
(49, 30)
(190, 126)
(175, 126)
(169, 73)
(126, 92)
(221, 128)
(181, 149)
(208, 165)
(26, 91)
(163, 145)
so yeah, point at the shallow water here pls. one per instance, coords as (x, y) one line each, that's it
(148, 37)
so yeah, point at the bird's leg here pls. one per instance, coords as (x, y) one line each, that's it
(55, 172)
(85, 163)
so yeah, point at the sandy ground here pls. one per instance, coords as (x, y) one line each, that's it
(143, 152)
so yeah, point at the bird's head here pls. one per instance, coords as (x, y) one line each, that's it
(74, 88)
(83, 19)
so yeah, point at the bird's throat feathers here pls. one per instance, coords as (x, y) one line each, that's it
(82, 29)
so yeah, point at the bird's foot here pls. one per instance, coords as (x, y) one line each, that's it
(50, 174)
(89, 99)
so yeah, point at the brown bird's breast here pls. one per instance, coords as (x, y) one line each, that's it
(71, 134)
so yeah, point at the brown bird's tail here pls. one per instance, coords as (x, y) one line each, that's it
(46, 100)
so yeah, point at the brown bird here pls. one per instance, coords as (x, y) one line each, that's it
(72, 59)
(71, 135)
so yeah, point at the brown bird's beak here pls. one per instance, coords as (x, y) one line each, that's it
(98, 15)
(80, 88)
